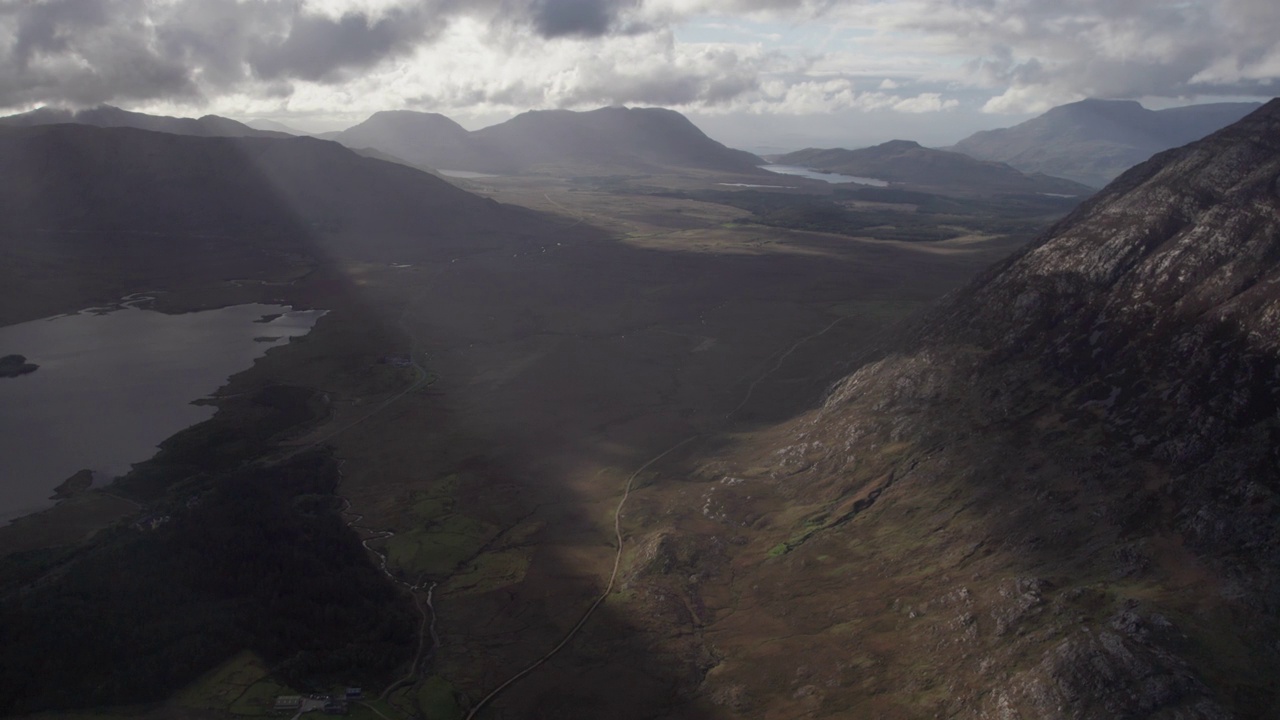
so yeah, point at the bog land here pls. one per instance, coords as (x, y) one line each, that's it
(481, 412)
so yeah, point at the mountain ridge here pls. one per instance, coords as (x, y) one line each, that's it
(909, 163)
(164, 209)
(602, 140)
(1054, 496)
(110, 116)
(1092, 141)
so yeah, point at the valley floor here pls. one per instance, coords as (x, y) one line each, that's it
(541, 379)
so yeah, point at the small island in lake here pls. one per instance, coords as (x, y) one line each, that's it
(74, 485)
(15, 365)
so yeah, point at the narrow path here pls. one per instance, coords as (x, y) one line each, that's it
(613, 576)
(417, 383)
(617, 527)
(752, 388)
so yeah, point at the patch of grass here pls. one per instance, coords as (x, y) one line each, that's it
(260, 698)
(225, 685)
(437, 699)
(491, 571)
(439, 548)
(879, 311)
(918, 217)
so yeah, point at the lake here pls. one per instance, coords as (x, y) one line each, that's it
(465, 174)
(113, 383)
(825, 177)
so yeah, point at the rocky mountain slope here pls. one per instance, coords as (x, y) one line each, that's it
(1056, 496)
(603, 140)
(108, 116)
(1093, 141)
(908, 163)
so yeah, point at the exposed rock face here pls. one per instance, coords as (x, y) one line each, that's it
(1057, 496)
(1157, 306)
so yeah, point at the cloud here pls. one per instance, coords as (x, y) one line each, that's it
(791, 57)
(1036, 53)
(90, 51)
(326, 49)
(579, 18)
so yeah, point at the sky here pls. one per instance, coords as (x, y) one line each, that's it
(759, 74)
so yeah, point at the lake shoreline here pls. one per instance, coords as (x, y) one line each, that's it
(115, 382)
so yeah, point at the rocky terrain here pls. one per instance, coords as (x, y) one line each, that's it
(1056, 496)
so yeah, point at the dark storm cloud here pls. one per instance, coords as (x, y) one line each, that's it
(321, 48)
(583, 18)
(91, 51)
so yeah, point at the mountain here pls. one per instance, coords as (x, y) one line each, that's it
(427, 139)
(273, 126)
(603, 140)
(908, 163)
(126, 207)
(1055, 496)
(108, 116)
(1093, 141)
(643, 138)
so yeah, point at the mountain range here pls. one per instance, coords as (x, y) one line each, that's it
(165, 210)
(1093, 141)
(108, 116)
(1054, 496)
(637, 139)
(905, 162)
(607, 140)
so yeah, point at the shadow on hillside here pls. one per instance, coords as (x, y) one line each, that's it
(562, 362)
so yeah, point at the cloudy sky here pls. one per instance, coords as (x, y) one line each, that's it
(755, 73)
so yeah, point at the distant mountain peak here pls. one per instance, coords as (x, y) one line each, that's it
(900, 145)
(1092, 141)
(111, 116)
(909, 163)
(1100, 103)
(606, 139)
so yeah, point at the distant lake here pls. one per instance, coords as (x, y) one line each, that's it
(825, 177)
(464, 174)
(113, 383)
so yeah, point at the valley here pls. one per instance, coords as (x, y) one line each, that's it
(633, 437)
(559, 363)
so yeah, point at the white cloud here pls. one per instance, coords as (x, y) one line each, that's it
(493, 56)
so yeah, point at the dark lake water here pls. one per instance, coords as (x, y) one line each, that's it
(113, 384)
(465, 174)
